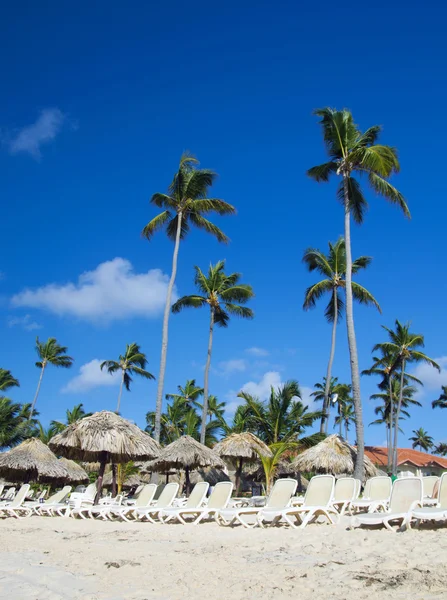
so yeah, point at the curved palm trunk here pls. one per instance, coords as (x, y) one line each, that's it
(396, 422)
(206, 379)
(326, 404)
(390, 443)
(37, 393)
(355, 376)
(120, 393)
(164, 340)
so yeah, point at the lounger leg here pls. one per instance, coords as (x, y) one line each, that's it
(388, 526)
(292, 522)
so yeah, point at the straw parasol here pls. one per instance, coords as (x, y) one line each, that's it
(104, 437)
(76, 473)
(130, 481)
(188, 454)
(241, 446)
(332, 455)
(32, 461)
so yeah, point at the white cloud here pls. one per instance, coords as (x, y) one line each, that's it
(110, 292)
(25, 322)
(307, 399)
(227, 367)
(255, 351)
(29, 139)
(432, 379)
(90, 376)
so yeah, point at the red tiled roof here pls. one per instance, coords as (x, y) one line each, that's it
(379, 457)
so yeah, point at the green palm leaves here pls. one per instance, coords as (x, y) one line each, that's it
(7, 380)
(441, 402)
(421, 439)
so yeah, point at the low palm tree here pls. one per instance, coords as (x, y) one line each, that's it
(45, 435)
(50, 353)
(404, 345)
(133, 362)
(189, 394)
(216, 409)
(351, 152)
(421, 439)
(224, 294)
(441, 449)
(441, 402)
(13, 427)
(185, 205)
(345, 417)
(242, 421)
(7, 380)
(72, 416)
(333, 268)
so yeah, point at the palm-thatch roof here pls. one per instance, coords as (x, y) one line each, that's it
(76, 473)
(32, 461)
(105, 436)
(132, 480)
(242, 445)
(187, 453)
(333, 455)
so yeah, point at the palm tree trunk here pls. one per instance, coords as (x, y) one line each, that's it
(120, 393)
(390, 447)
(164, 341)
(346, 432)
(396, 421)
(103, 459)
(206, 378)
(37, 393)
(114, 485)
(187, 482)
(238, 475)
(326, 402)
(340, 417)
(355, 376)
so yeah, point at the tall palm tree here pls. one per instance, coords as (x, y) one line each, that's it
(72, 416)
(403, 344)
(345, 417)
(242, 421)
(133, 362)
(183, 206)
(441, 402)
(440, 449)
(13, 427)
(189, 394)
(49, 353)
(421, 439)
(342, 396)
(7, 380)
(353, 152)
(333, 268)
(224, 294)
(216, 409)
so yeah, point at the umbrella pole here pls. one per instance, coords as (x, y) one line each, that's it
(238, 475)
(102, 466)
(113, 480)
(187, 482)
(167, 478)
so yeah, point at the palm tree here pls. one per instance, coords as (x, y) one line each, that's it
(333, 268)
(220, 292)
(216, 409)
(441, 402)
(72, 416)
(45, 435)
(7, 380)
(50, 353)
(345, 417)
(184, 205)
(403, 345)
(351, 151)
(323, 391)
(242, 421)
(13, 427)
(189, 394)
(421, 439)
(133, 362)
(441, 449)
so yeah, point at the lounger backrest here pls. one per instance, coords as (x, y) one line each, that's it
(138, 491)
(2, 487)
(59, 496)
(10, 493)
(358, 487)
(281, 493)
(428, 485)
(380, 488)
(159, 490)
(220, 495)
(146, 495)
(20, 496)
(442, 492)
(367, 488)
(167, 496)
(90, 491)
(42, 495)
(197, 496)
(320, 490)
(405, 493)
(345, 489)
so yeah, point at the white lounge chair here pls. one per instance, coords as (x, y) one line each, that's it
(165, 500)
(317, 502)
(219, 499)
(92, 511)
(406, 495)
(377, 494)
(76, 501)
(16, 508)
(144, 500)
(279, 498)
(195, 501)
(434, 513)
(8, 496)
(42, 508)
(345, 492)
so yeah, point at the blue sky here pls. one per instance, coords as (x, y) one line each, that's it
(99, 102)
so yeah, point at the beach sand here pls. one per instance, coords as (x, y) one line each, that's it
(56, 558)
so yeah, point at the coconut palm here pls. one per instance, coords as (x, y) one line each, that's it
(13, 427)
(441, 402)
(216, 409)
(72, 416)
(224, 294)
(421, 439)
(333, 268)
(403, 344)
(440, 449)
(353, 152)
(345, 417)
(45, 435)
(49, 353)
(183, 206)
(172, 421)
(7, 381)
(133, 362)
(189, 394)
(242, 421)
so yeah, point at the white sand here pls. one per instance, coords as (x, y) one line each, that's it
(54, 558)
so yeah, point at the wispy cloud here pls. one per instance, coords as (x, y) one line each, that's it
(29, 139)
(432, 379)
(25, 323)
(228, 367)
(112, 291)
(256, 351)
(90, 376)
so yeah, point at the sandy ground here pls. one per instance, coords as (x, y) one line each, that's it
(56, 558)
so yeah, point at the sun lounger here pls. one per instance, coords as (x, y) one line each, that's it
(165, 500)
(42, 508)
(219, 499)
(92, 511)
(127, 512)
(345, 492)
(195, 501)
(376, 495)
(16, 508)
(76, 501)
(279, 498)
(406, 495)
(8, 496)
(434, 513)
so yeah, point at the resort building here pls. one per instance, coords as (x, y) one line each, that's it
(409, 461)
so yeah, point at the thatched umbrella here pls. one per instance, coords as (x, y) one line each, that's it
(188, 454)
(104, 437)
(242, 446)
(130, 481)
(332, 455)
(32, 461)
(76, 473)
